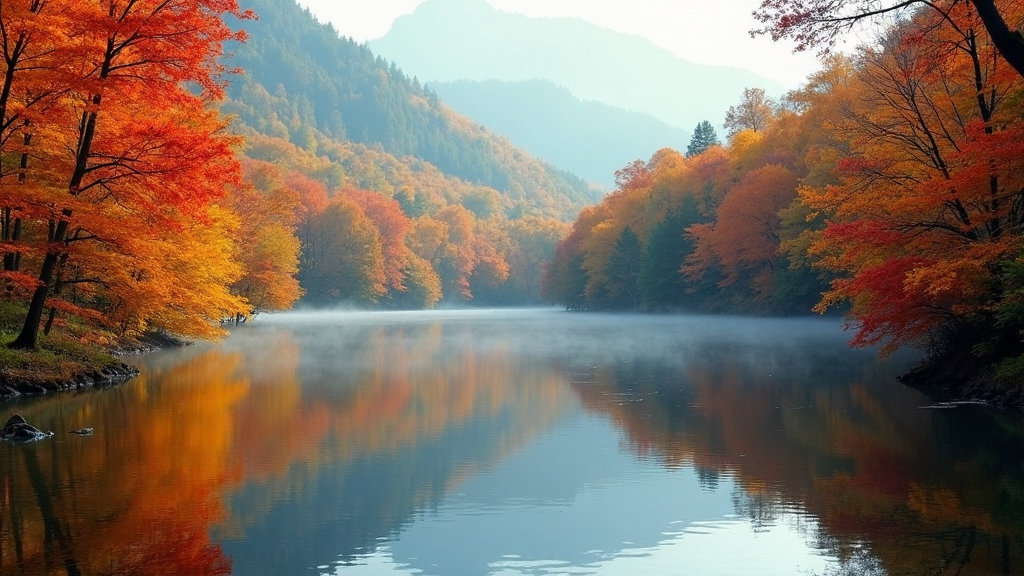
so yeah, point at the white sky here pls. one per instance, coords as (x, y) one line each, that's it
(701, 31)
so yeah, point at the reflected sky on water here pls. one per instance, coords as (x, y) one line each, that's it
(515, 442)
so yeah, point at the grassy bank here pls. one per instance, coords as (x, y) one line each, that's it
(72, 357)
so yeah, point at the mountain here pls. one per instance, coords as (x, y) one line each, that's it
(303, 83)
(590, 139)
(450, 40)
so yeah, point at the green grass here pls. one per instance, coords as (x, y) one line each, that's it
(60, 355)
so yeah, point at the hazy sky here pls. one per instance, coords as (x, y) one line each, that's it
(701, 31)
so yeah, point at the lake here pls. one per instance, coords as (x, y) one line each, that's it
(514, 442)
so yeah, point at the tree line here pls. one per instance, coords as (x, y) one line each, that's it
(890, 187)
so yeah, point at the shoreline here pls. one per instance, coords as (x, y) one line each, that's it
(962, 382)
(109, 375)
(86, 375)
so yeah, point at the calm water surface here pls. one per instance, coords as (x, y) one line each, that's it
(510, 443)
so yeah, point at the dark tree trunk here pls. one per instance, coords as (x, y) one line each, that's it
(29, 335)
(11, 233)
(1009, 43)
(49, 321)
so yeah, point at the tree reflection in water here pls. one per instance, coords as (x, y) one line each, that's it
(895, 488)
(279, 450)
(197, 466)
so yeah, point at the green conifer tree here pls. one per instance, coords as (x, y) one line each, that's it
(704, 137)
(662, 285)
(623, 271)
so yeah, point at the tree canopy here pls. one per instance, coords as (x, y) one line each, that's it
(820, 23)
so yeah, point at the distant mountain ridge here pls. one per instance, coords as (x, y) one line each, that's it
(302, 82)
(590, 139)
(452, 40)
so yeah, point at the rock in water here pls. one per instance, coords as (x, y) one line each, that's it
(18, 430)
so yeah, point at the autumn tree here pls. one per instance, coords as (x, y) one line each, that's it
(637, 174)
(456, 249)
(928, 207)
(37, 68)
(97, 148)
(753, 112)
(493, 245)
(266, 243)
(422, 286)
(392, 226)
(565, 279)
(531, 245)
(341, 258)
(743, 242)
(820, 23)
(704, 137)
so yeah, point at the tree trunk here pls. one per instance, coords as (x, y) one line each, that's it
(1009, 43)
(49, 321)
(11, 232)
(29, 335)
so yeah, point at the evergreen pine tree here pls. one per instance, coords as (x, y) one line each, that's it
(704, 137)
(662, 285)
(623, 271)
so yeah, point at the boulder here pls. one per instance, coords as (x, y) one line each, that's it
(16, 429)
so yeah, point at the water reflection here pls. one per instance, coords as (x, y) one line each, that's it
(894, 487)
(137, 497)
(514, 442)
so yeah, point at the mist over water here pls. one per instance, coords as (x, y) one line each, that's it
(516, 442)
(550, 334)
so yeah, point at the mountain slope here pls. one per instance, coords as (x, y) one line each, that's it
(590, 139)
(343, 91)
(448, 40)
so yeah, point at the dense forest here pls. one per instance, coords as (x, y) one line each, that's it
(339, 89)
(892, 183)
(398, 201)
(150, 183)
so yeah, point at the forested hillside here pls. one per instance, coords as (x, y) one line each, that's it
(339, 88)
(395, 199)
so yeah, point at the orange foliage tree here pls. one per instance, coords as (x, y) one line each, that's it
(928, 206)
(392, 226)
(341, 258)
(744, 240)
(121, 155)
(266, 244)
